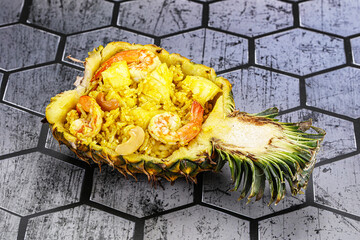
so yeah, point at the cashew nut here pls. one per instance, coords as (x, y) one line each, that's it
(137, 137)
(106, 105)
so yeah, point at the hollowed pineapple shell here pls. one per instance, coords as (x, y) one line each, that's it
(256, 146)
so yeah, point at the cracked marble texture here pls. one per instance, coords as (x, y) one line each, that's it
(333, 189)
(23, 46)
(324, 91)
(45, 82)
(160, 17)
(339, 17)
(67, 16)
(257, 89)
(196, 222)
(82, 222)
(250, 18)
(19, 130)
(10, 11)
(216, 191)
(339, 138)
(138, 198)
(9, 225)
(78, 45)
(299, 51)
(309, 223)
(212, 48)
(36, 182)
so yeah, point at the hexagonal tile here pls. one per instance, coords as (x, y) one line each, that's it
(19, 130)
(250, 18)
(340, 136)
(9, 225)
(212, 48)
(257, 89)
(36, 182)
(43, 83)
(160, 17)
(23, 46)
(309, 223)
(53, 144)
(355, 47)
(10, 11)
(216, 191)
(81, 222)
(69, 16)
(336, 185)
(325, 91)
(338, 17)
(196, 223)
(299, 51)
(79, 45)
(138, 198)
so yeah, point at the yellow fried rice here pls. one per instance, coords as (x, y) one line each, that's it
(136, 109)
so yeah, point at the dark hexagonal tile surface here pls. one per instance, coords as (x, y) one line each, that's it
(81, 222)
(79, 45)
(45, 83)
(217, 191)
(336, 91)
(138, 198)
(337, 17)
(299, 51)
(212, 48)
(36, 182)
(23, 46)
(355, 46)
(9, 225)
(309, 223)
(196, 222)
(19, 130)
(257, 89)
(10, 11)
(160, 17)
(250, 18)
(219, 33)
(67, 16)
(334, 190)
(340, 136)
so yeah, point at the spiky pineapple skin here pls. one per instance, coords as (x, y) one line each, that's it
(185, 167)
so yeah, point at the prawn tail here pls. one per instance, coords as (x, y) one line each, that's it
(197, 112)
(190, 130)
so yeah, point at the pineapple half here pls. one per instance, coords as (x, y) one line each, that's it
(256, 147)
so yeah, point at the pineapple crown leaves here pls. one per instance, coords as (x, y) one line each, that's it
(293, 162)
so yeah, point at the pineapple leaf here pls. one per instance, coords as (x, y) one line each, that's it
(239, 172)
(247, 180)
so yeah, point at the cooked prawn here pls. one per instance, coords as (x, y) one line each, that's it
(140, 63)
(88, 128)
(165, 127)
